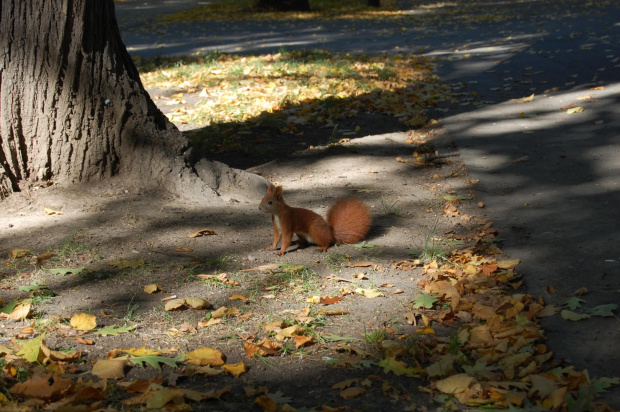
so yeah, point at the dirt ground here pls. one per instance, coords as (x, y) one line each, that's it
(114, 238)
(101, 224)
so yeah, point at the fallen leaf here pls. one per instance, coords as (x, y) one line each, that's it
(268, 404)
(19, 253)
(42, 386)
(184, 250)
(572, 316)
(203, 232)
(51, 211)
(454, 384)
(83, 321)
(235, 369)
(206, 356)
(152, 288)
(21, 311)
(369, 293)
(352, 392)
(174, 304)
(237, 296)
(110, 368)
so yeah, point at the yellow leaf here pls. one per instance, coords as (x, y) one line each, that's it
(455, 383)
(174, 304)
(302, 341)
(369, 293)
(426, 330)
(528, 99)
(219, 313)
(143, 351)
(237, 296)
(206, 356)
(197, 303)
(31, 350)
(576, 109)
(275, 326)
(235, 369)
(313, 299)
(289, 332)
(51, 211)
(19, 253)
(268, 404)
(152, 288)
(158, 399)
(83, 321)
(398, 367)
(109, 368)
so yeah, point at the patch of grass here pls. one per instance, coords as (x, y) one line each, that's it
(130, 315)
(390, 205)
(240, 95)
(72, 246)
(377, 336)
(336, 261)
(434, 248)
(298, 279)
(246, 10)
(211, 264)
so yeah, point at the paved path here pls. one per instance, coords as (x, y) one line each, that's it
(550, 179)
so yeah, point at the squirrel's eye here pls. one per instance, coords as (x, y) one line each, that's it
(269, 202)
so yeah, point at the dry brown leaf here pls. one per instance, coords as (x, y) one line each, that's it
(184, 250)
(268, 404)
(271, 266)
(352, 392)
(42, 386)
(20, 312)
(110, 368)
(302, 341)
(174, 304)
(203, 232)
(19, 253)
(197, 303)
(152, 288)
(454, 384)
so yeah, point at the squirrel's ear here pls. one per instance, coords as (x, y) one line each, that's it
(278, 190)
(271, 188)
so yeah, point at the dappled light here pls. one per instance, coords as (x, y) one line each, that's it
(482, 136)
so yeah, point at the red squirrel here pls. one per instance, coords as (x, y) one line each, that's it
(348, 221)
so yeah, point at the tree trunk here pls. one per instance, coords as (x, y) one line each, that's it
(73, 108)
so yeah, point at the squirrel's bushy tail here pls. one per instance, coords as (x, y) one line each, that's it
(350, 220)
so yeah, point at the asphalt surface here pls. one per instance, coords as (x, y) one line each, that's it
(549, 172)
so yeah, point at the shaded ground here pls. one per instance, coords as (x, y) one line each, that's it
(101, 224)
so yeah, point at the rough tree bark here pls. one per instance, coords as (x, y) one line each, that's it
(73, 108)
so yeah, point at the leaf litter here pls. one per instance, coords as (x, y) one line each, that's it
(477, 341)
